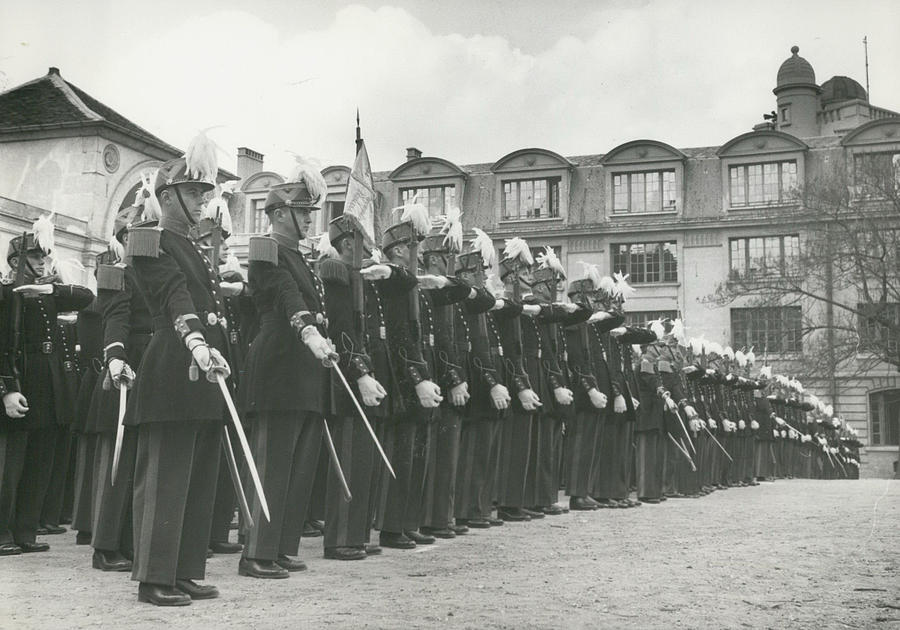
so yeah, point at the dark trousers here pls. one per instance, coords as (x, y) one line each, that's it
(401, 495)
(51, 511)
(226, 499)
(36, 474)
(650, 463)
(614, 456)
(112, 524)
(347, 523)
(443, 461)
(542, 477)
(515, 451)
(478, 452)
(582, 435)
(316, 511)
(286, 449)
(12, 462)
(82, 514)
(174, 489)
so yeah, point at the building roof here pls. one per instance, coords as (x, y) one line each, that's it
(795, 71)
(52, 102)
(840, 88)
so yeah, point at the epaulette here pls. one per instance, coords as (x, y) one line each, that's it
(331, 270)
(664, 366)
(263, 249)
(143, 241)
(111, 277)
(647, 367)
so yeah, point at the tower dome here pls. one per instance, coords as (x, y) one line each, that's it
(839, 88)
(795, 71)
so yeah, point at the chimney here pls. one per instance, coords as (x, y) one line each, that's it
(249, 162)
(412, 153)
(53, 70)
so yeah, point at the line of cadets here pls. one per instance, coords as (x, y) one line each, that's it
(486, 401)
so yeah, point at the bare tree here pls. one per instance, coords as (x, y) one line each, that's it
(843, 279)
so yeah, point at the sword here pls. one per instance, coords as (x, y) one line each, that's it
(336, 462)
(332, 362)
(719, 444)
(242, 438)
(120, 432)
(683, 451)
(684, 428)
(236, 479)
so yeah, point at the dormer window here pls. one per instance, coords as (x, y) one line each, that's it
(438, 199)
(530, 199)
(646, 191)
(762, 169)
(644, 177)
(766, 184)
(532, 185)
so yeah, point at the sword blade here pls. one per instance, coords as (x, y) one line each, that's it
(120, 432)
(362, 414)
(719, 444)
(336, 463)
(683, 451)
(242, 438)
(684, 428)
(236, 480)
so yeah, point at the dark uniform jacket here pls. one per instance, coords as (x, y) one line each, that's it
(127, 330)
(90, 338)
(484, 357)
(442, 333)
(67, 333)
(181, 289)
(507, 320)
(282, 375)
(39, 360)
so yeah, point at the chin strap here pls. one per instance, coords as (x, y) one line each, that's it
(294, 221)
(191, 219)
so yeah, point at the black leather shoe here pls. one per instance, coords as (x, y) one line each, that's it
(395, 541)
(459, 529)
(420, 539)
(474, 523)
(493, 522)
(313, 529)
(10, 549)
(582, 504)
(226, 547)
(160, 595)
(83, 538)
(53, 529)
(209, 553)
(345, 553)
(373, 550)
(290, 564)
(513, 514)
(263, 569)
(197, 591)
(649, 499)
(438, 532)
(33, 547)
(533, 512)
(110, 561)
(40, 531)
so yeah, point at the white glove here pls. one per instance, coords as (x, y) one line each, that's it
(598, 398)
(775, 433)
(499, 303)
(32, 290)
(779, 421)
(529, 400)
(375, 272)
(783, 433)
(712, 424)
(532, 310)
(564, 395)
(619, 404)
(121, 373)
(370, 390)
(231, 289)
(690, 411)
(635, 403)
(210, 361)
(459, 395)
(568, 307)
(500, 396)
(321, 347)
(671, 405)
(432, 282)
(694, 424)
(618, 332)
(599, 316)
(429, 394)
(16, 405)
(742, 425)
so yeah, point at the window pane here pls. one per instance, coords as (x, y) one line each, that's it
(756, 256)
(539, 206)
(773, 329)
(755, 184)
(654, 202)
(738, 186)
(670, 262)
(260, 220)
(788, 179)
(654, 262)
(739, 256)
(791, 254)
(554, 198)
(620, 193)
(637, 192)
(670, 192)
(646, 262)
(770, 182)
(636, 263)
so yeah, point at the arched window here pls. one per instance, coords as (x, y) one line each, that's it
(884, 418)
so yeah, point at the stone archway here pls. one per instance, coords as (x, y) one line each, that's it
(123, 194)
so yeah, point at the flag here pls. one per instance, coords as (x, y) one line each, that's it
(360, 201)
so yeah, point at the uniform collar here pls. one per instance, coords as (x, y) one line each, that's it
(284, 241)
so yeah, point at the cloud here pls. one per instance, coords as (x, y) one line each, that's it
(682, 72)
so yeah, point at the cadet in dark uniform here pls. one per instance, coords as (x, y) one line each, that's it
(34, 386)
(178, 412)
(348, 524)
(285, 386)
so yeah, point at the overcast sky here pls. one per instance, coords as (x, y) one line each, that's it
(468, 80)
